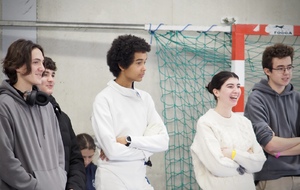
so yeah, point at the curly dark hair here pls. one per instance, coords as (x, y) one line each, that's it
(278, 50)
(121, 53)
(18, 54)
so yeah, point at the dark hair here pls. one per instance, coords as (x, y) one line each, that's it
(85, 141)
(18, 54)
(218, 80)
(122, 52)
(278, 50)
(49, 64)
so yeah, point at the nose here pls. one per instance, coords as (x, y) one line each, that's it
(237, 89)
(50, 78)
(86, 161)
(42, 68)
(287, 70)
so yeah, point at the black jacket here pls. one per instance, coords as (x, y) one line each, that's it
(74, 165)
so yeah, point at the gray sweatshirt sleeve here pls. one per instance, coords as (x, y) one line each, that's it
(12, 171)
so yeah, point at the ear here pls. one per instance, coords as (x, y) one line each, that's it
(21, 69)
(121, 68)
(216, 92)
(267, 71)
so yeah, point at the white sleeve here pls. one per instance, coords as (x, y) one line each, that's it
(206, 149)
(252, 162)
(106, 139)
(155, 138)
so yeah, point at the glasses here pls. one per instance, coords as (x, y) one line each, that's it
(283, 69)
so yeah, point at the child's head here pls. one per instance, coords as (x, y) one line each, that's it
(87, 147)
(122, 51)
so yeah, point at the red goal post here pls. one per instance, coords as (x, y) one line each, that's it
(239, 31)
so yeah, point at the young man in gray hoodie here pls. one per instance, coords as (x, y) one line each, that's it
(32, 153)
(273, 108)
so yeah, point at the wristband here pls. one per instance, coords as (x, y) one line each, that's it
(277, 155)
(233, 154)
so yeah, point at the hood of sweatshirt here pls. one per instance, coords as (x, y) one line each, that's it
(6, 88)
(264, 86)
(9, 90)
(268, 108)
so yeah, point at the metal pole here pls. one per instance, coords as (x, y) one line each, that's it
(13, 23)
(149, 27)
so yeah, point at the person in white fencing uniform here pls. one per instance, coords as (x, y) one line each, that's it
(121, 114)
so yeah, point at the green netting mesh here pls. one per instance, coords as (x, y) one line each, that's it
(254, 47)
(186, 62)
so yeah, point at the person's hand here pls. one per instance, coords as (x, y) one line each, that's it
(227, 152)
(122, 140)
(103, 156)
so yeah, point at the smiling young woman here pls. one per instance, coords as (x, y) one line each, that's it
(225, 152)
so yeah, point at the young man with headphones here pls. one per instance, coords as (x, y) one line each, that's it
(74, 164)
(32, 153)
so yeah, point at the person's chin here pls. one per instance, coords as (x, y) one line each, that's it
(49, 92)
(284, 83)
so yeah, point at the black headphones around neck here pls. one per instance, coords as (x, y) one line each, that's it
(36, 97)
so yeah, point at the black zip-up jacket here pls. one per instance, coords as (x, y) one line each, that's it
(74, 165)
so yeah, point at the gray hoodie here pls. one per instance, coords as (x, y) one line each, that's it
(32, 154)
(264, 108)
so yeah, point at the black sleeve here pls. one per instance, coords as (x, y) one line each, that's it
(74, 161)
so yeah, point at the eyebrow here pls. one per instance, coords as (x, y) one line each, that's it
(230, 84)
(46, 71)
(36, 59)
(283, 65)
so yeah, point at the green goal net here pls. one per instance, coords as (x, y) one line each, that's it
(186, 62)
